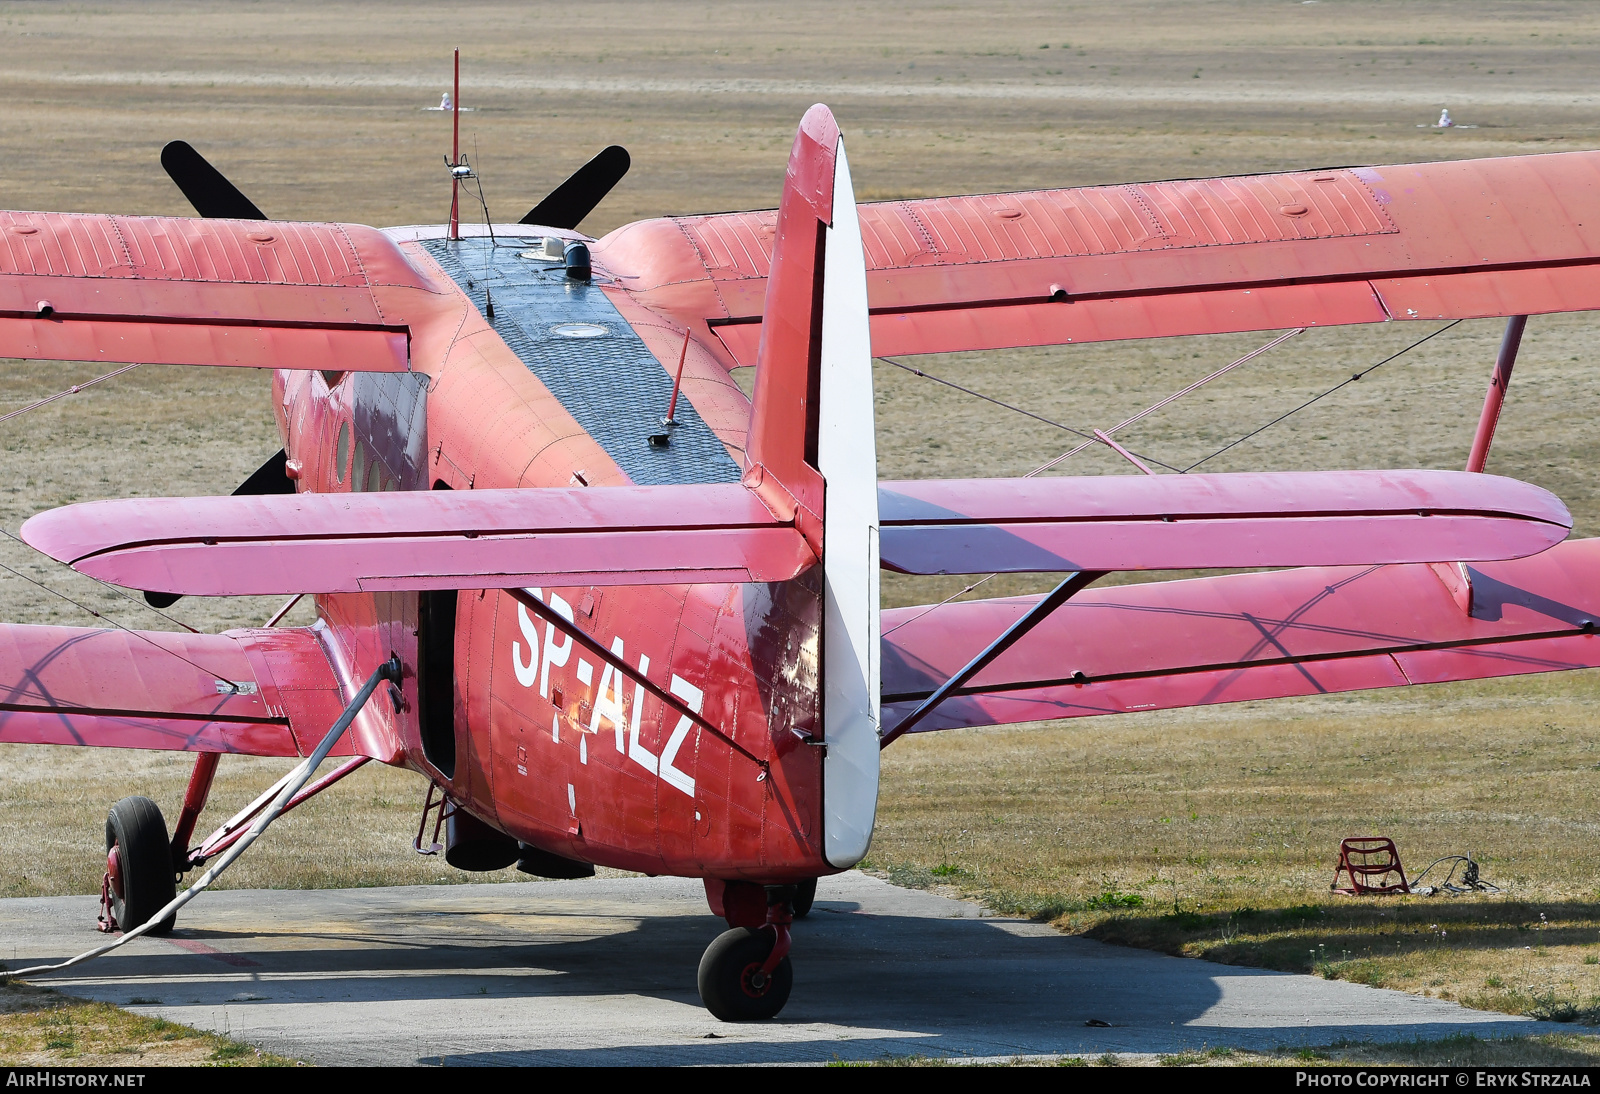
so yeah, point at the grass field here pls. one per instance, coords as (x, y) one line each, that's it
(1207, 832)
(40, 1027)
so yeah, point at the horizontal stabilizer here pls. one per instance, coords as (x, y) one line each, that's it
(1178, 522)
(253, 692)
(1231, 638)
(438, 539)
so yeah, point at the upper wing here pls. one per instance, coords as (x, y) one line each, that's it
(173, 290)
(256, 692)
(1512, 236)
(437, 539)
(1180, 522)
(1246, 636)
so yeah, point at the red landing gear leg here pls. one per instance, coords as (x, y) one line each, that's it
(746, 975)
(194, 800)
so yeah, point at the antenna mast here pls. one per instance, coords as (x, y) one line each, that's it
(455, 153)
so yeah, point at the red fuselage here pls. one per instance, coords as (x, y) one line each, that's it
(520, 725)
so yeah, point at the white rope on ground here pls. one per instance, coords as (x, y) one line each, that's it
(296, 779)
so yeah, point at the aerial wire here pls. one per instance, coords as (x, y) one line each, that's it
(73, 390)
(1174, 397)
(1008, 406)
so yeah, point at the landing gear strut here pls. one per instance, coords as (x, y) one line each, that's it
(740, 980)
(745, 974)
(139, 877)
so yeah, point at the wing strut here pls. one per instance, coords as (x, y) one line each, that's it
(1035, 615)
(1455, 575)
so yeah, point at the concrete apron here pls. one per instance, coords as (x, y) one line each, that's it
(602, 971)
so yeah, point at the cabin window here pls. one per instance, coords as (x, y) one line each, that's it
(358, 465)
(341, 452)
(374, 477)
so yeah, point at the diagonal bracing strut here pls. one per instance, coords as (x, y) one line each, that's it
(1030, 619)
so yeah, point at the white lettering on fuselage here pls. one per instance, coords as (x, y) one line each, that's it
(610, 702)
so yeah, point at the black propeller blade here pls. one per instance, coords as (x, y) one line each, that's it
(212, 195)
(576, 198)
(270, 478)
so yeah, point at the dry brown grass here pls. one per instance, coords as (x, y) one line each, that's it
(316, 111)
(1545, 1050)
(43, 1028)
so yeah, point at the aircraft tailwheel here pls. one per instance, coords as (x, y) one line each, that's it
(733, 986)
(804, 894)
(139, 864)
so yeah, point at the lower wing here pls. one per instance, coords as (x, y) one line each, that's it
(253, 692)
(1246, 636)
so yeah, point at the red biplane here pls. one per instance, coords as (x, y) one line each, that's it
(629, 616)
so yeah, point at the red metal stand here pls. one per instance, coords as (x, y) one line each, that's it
(1365, 858)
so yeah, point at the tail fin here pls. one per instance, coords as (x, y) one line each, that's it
(813, 453)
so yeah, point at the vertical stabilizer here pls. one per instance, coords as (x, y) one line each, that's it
(813, 454)
(847, 456)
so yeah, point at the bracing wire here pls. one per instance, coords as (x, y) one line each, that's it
(137, 634)
(1008, 406)
(73, 390)
(1091, 440)
(135, 601)
(35, 405)
(1317, 398)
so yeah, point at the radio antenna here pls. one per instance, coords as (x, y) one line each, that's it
(455, 153)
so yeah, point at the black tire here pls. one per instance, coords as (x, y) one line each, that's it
(730, 981)
(805, 894)
(144, 853)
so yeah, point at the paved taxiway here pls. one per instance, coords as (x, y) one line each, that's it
(603, 972)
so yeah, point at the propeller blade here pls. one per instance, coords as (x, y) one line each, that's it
(576, 198)
(212, 195)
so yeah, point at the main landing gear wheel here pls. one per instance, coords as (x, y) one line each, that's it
(804, 894)
(139, 860)
(732, 985)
